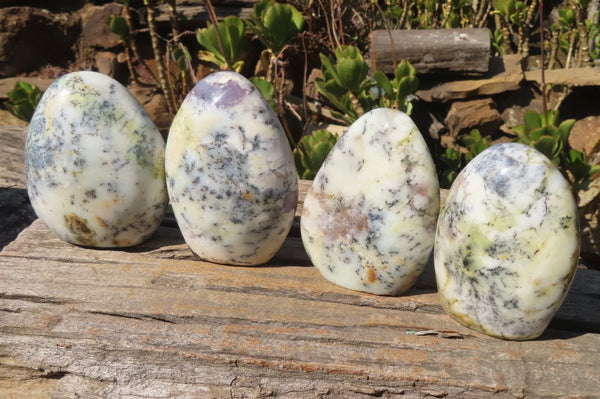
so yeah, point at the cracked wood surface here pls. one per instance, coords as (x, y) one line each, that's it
(12, 163)
(155, 321)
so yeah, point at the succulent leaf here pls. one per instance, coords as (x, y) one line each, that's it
(117, 25)
(565, 128)
(233, 37)
(275, 24)
(311, 152)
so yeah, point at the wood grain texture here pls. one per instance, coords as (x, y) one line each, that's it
(12, 163)
(194, 12)
(434, 51)
(155, 321)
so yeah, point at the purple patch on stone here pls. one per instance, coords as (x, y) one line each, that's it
(290, 201)
(222, 95)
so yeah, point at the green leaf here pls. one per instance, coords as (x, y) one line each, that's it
(351, 73)
(404, 69)
(266, 89)
(298, 162)
(181, 56)
(211, 57)
(329, 72)
(308, 175)
(275, 24)
(329, 89)
(233, 37)
(565, 129)
(546, 145)
(23, 99)
(384, 83)
(297, 19)
(117, 25)
(319, 153)
(531, 120)
(407, 85)
(311, 152)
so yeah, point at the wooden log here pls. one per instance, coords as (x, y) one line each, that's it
(155, 321)
(193, 13)
(449, 51)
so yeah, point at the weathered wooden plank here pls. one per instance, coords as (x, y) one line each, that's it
(155, 321)
(15, 211)
(12, 146)
(194, 12)
(434, 51)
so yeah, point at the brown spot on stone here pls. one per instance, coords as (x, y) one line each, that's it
(78, 226)
(101, 221)
(371, 275)
(248, 196)
(344, 221)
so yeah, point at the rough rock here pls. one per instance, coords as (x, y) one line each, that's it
(464, 116)
(33, 37)
(112, 65)
(585, 136)
(566, 76)
(8, 84)
(95, 32)
(155, 105)
(337, 130)
(513, 115)
(505, 74)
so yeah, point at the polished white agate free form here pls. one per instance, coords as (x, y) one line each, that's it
(368, 221)
(94, 163)
(507, 243)
(230, 173)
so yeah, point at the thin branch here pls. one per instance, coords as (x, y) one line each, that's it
(213, 19)
(131, 43)
(542, 56)
(304, 79)
(328, 26)
(164, 83)
(388, 28)
(526, 28)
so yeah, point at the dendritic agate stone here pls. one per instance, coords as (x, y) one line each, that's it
(230, 172)
(507, 243)
(94, 163)
(368, 221)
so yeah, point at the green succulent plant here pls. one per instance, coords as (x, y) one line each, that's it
(233, 38)
(347, 73)
(275, 24)
(452, 161)
(545, 133)
(23, 99)
(118, 25)
(580, 171)
(395, 92)
(345, 83)
(311, 152)
(550, 136)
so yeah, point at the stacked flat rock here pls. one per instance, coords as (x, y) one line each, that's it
(507, 243)
(230, 173)
(95, 163)
(368, 221)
